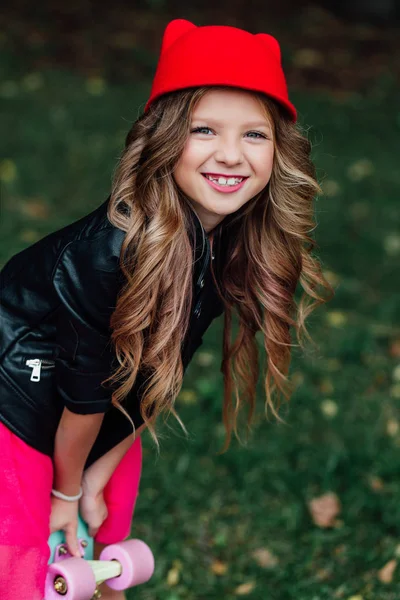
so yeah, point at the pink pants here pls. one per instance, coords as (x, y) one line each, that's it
(26, 482)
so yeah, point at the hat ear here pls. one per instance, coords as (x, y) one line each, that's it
(174, 30)
(271, 43)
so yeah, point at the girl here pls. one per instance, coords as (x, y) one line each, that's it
(210, 212)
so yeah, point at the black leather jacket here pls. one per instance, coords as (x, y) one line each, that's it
(57, 297)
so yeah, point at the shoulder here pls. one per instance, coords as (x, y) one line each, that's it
(92, 239)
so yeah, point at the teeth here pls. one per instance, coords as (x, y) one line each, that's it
(225, 181)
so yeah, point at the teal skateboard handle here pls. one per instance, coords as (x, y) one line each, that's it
(57, 539)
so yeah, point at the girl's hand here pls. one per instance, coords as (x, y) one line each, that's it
(93, 510)
(64, 517)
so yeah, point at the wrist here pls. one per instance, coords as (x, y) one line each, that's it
(67, 497)
(89, 486)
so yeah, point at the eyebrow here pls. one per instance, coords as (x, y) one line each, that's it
(248, 124)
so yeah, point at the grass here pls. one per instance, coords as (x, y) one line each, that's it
(204, 515)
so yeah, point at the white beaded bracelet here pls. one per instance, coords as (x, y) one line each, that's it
(62, 496)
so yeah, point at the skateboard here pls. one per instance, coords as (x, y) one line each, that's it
(121, 566)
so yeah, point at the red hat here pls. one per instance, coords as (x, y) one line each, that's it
(219, 55)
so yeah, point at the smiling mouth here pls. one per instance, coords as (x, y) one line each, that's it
(225, 185)
(225, 180)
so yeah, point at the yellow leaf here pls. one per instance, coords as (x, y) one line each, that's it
(376, 483)
(336, 318)
(329, 408)
(331, 277)
(245, 588)
(395, 391)
(204, 359)
(330, 187)
(219, 568)
(8, 170)
(325, 509)
(360, 169)
(29, 236)
(95, 86)
(392, 244)
(265, 558)
(396, 373)
(173, 576)
(355, 598)
(385, 575)
(392, 427)
(187, 397)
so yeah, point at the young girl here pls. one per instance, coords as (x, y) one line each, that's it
(210, 212)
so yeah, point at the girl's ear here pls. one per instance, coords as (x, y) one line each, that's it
(174, 30)
(271, 43)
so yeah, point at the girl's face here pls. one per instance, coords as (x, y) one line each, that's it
(230, 138)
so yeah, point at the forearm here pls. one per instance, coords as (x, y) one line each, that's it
(74, 439)
(98, 474)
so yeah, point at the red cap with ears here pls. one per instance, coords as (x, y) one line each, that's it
(194, 56)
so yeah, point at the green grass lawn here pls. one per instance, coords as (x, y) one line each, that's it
(210, 519)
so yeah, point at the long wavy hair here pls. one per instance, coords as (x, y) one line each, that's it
(270, 253)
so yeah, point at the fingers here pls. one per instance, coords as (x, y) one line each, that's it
(71, 540)
(93, 531)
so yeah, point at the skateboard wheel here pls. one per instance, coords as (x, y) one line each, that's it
(74, 578)
(136, 560)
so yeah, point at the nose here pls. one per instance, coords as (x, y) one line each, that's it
(229, 152)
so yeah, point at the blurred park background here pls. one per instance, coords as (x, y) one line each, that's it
(309, 509)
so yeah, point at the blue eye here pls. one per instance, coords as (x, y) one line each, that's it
(261, 135)
(200, 129)
(207, 129)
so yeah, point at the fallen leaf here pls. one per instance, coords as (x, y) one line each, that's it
(204, 359)
(323, 574)
(187, 397)
(326, 386)
(329, 408)
(360, 169)
(95, 86)
(395, 391)
(376, 483)
(36, 209)
(392, 427)
(308, 58)
(355, 598)
(330, 187)
(29, 236)
(265, 558)
(385, 575)
(8, 170)
(245, 588)
(333, 364)
(173, 576)
(325, 509)
(219, 568)
(391, 244)
(396, 373)
(394, 348)
(336, 318)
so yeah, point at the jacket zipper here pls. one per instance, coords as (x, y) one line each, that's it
(197, 308)
(37, 364)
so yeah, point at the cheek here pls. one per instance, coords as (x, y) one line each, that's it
(263, 163)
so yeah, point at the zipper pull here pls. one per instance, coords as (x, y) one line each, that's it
(36, 365)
